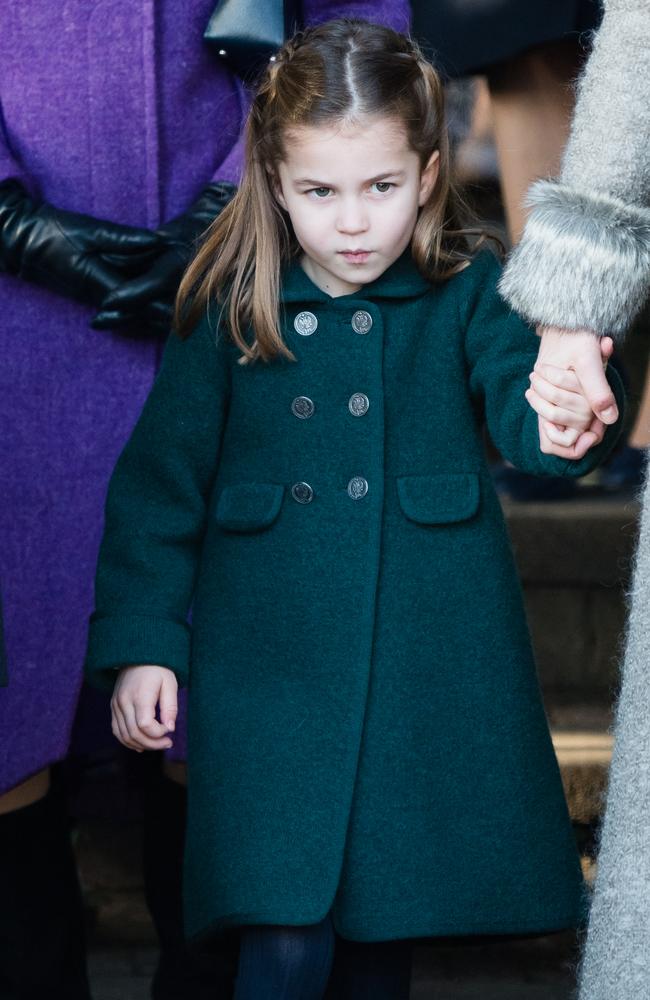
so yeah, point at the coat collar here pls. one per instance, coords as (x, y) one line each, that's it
(401, 280)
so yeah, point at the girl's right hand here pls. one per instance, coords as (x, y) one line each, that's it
(137, 691)
(567, 425)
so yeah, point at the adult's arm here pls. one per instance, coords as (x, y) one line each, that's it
(583, 263)
(584, 260)
(61, 250)
(500, 349)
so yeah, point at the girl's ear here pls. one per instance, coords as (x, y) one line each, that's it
(428, 177)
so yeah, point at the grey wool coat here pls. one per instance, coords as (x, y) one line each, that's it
(584, 261)
(366, 733)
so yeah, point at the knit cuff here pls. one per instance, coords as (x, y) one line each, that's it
(583, 262)
(122, 640)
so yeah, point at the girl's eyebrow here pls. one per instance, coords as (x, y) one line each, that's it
(370, 180)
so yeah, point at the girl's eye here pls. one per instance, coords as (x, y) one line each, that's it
(382, 186)
(320, 192)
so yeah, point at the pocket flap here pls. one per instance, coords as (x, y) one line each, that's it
(440, 499)
(248, 506)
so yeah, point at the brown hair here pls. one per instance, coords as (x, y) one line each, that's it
(338, 71)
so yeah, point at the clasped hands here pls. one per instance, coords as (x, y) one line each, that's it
(570, 392)
(129, 274)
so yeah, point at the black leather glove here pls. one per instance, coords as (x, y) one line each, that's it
(75, 255)
(145, 304)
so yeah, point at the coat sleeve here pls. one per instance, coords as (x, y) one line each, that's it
(3, 654)
(501, 351)
(394, 14)
(156, 514)
(10, 168)
(584, 258)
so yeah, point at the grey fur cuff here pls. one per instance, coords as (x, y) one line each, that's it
(583, 261)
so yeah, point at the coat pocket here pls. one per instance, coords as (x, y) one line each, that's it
(439, 499)
(248, 506)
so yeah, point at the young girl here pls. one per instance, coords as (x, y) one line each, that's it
(368, 751)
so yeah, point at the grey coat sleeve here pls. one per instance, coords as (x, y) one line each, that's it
(584, 258)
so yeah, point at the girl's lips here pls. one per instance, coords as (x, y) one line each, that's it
(356, 256)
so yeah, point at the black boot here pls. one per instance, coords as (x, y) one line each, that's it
(42, 940)
(184, 972)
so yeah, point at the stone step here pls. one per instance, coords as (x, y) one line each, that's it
(584, 759)
(575, 559)
(582, 738)
(586, 541)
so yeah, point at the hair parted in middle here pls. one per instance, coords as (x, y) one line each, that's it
(339, 72)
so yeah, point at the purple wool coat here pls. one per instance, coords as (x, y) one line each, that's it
(121, 111)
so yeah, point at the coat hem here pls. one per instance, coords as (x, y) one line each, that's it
(570, 921)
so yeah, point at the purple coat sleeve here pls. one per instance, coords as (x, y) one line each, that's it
(9, 166)
(393, 13)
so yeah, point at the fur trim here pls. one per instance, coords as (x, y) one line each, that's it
(627, 6)
(583, 262)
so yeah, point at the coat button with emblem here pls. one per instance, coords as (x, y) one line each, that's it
(305, 323)
(357, 487)
(361, 321)
(358, 404)
(303, 407)
(302, 492)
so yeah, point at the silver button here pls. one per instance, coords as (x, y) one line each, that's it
(302, 492)
(358, 404)
(357, 487)
(305, 324)
(361, 321)
(302, 407)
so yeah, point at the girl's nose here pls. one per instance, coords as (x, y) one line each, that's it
(352, 219)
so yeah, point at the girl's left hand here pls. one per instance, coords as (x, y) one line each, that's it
(567, 424)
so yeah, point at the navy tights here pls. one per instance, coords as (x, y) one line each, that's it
(311, 963)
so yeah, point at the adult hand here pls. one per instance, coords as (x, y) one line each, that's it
(145, 304)
(586, 354)
(70, 253)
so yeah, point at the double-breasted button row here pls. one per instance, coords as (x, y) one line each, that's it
(306, 323)
(356, 489)
(303, 407)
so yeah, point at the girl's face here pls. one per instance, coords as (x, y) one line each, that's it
(353, 194)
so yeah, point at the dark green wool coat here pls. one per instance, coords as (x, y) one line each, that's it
(366, 732)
